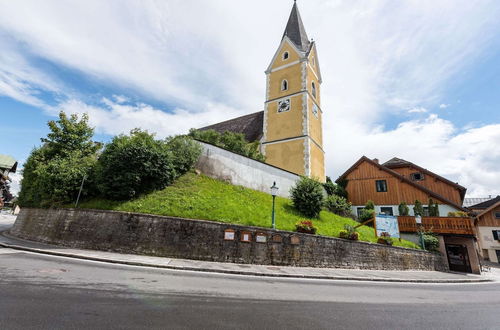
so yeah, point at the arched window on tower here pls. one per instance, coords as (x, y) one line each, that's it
(284, 85)
(313, 89)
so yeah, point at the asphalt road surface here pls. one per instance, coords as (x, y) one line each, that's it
(45, 292)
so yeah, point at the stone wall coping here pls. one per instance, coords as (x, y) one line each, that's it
(230, 225)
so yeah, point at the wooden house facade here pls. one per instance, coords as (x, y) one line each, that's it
(487, 224)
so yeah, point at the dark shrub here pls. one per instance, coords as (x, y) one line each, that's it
(338, 205)
(134, 164)
(431, 242)
(307, 197)
(185, 153)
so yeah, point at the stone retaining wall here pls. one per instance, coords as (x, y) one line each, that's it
(205, 240)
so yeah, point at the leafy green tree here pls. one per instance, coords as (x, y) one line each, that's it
(53, 173)
(433, 208)
(185, 153)
(368, 212)
(334, 189)
(307, 197)
(418, 209)
(403, 208)
(134, 164)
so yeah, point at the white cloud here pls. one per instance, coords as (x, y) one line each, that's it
(443, 106)
(205, 59)
(418, 110)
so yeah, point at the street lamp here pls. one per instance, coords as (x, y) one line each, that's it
(274, 192)
(418, 219)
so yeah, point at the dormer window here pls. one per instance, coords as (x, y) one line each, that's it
(417, 176)
(313, 89)
(285, 56)
(284, 85)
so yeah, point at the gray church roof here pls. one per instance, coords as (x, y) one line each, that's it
(250, 125)
(295, 30)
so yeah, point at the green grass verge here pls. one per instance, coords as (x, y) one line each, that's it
(199, 197)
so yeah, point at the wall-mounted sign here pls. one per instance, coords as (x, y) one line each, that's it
(294, 239)
(229, 235)
(246, 236)
(277, 238)
(387, 224)
(261, 238)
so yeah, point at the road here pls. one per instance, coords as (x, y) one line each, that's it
(45, 292)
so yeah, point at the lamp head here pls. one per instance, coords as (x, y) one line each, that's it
(274, 189)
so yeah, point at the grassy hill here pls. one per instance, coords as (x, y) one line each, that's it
(199, 197)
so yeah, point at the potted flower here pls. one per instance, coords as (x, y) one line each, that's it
(305, 226)
(385, 238)
(349, 233)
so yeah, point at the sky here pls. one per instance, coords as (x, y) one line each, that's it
(414, 79)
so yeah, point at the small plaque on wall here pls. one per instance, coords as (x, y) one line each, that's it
(295, 240)
(261, 238)
(229, 235)
(277, 239)
(246, 236)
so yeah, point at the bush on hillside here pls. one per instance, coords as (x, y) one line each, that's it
(185, 153)
(334, 189)
(134, 164)
(234, 142)
(307, 197)
(431, 242)
(53, 173)
(338, 205)
(368, 212)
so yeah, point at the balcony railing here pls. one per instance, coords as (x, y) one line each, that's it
(438, 225)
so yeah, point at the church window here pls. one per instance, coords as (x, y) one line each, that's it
(315, 110)
(284, 85)
(313, 89)
(285, 56)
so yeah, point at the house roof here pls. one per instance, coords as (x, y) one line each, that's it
(493, 206)
(402, 179)
(398, 163)
(473, 201)
(486, 204)
(295, 30)
(250, 125)
(8, 163)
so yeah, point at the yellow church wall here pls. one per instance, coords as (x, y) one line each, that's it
(310, 78)
(292, 56)
(292, 74)
(284, 125)
(288, 155)
(315, 126)
(317, 162)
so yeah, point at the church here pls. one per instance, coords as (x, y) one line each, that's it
(290, 127)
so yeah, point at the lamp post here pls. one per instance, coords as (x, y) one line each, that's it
(274, 192)
(418, 219)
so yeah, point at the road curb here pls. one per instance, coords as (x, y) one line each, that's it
(237, 272)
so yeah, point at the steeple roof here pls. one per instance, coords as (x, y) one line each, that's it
(295, 30)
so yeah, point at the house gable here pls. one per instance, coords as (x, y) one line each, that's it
(361, 186)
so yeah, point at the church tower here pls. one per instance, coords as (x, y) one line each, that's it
(292, 133)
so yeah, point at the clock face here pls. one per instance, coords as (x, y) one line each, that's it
(284, 105)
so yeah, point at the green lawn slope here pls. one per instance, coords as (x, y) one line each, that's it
(199, 197)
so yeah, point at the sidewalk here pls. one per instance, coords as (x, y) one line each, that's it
(7, 241)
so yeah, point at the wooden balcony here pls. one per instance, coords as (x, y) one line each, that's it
(438, 225)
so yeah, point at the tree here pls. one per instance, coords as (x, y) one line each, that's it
(134, 164)
(53, 173)
(338, 205)
(185, 153)
(307, 197)
(335, 189)
(368, 212)
(418, 209)
(403, 208)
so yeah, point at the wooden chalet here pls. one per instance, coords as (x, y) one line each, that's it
(397, 181)
(487, 223)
